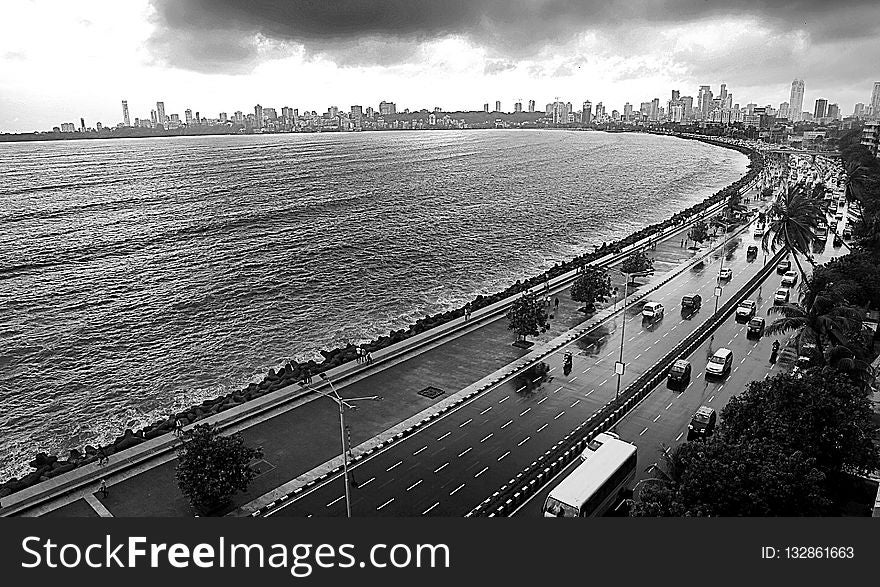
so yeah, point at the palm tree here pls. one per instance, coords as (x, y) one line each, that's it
(848, 362)
(822, 317)
(793, 218)
(858, 181)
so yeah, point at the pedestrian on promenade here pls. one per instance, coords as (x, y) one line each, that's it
(369, 358)
(103, 489)
(556, 304)
(467, 311)
(178, 427)
(102, 457)
(360, 354)
(682, 243)
(307, 375)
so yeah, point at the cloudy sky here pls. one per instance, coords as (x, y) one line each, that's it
(60, 60)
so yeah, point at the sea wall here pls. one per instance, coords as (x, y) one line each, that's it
(47, 466)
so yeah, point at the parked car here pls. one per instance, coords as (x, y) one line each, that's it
(692, 301)
(789, 279)
(725, 273)
(782, 295)
(594, 444)
(752, 252)
(679, 372)
(720, 363)
(746, 310)
(783, 267)
(755, 327)
(702, 423)
(847, 233)
(652, 311)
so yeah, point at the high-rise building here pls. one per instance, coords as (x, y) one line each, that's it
(870, 136)
(486, 107)
(627, 112)
(704, 102)
(676, 95)
(68, 127)
(188, 116)
(497, 105)
(370, 112)
(517, 107)
(587, 113)
(223, 118)
(387, 108)
(859, 110)
(796, 100)
(874, 109)
(82, 124)
(126, 121)
(160, 112)
(357, 112)
(655, 109)
(821, 110)
(784, 110)
(258, 116)
(834, 111)
(531, 105)
(154, 117)
(238, 117)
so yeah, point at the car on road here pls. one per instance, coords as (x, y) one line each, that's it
(839, 215)
(652, 311)
(746, 310)
(781, 296)
(725, 273)
(759, 230)
(755, 327)
(594, 444)
(752, 252)
(702, 423)
(720, 363)
(833, 225)
(783, 267)
(789, 279)
(679, 372)
(692, 301)
(847, 233)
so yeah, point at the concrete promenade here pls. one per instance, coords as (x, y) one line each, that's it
(299, 431)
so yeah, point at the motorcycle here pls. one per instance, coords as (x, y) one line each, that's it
(567, 363)
(774, 354)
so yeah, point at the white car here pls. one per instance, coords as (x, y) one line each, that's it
(652, 311)
(594, 444)
(789, 279)
(746, 309)
(725, 273)
(782, 295)
(759, 230)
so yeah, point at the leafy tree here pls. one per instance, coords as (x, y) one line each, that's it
(719, 477)
(852, 362)
(766, 192)
(794, 216)
(211, 467)
(821, 414)
(699, 232)
(734, 206)
(527, 316)
(638, 262)
(592, 285)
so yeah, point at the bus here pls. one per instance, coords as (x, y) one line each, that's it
(596, 484)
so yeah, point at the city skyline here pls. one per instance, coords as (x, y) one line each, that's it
(422, 60)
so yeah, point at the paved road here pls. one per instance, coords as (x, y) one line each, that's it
(454, 463)
(662, 418)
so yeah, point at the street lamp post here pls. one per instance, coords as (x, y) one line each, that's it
(620, 366)
(343, 403)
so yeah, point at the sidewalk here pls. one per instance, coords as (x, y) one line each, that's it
(297, 440)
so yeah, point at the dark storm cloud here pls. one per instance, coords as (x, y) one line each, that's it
(204, 33)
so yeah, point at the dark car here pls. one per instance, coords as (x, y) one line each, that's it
(679, 373)
(702, 424)
(752, 253)
(755, 327)
(783, 267)
(692, 301)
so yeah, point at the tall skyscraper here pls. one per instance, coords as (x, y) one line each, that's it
(587, 113)
(875, 101)
(126, 120)
(258, 116)
(160, 112)
(387, 108)
(517, 107)
(486, 107)
(531, 105)
(497, 105)
(704, 101)
(834, 111)
(859, 110)
(655, 109)
(796, 101)
(675, 95)
(784, 110)
(627, 111)
(821, 110)
(154, 117)
(188, 116)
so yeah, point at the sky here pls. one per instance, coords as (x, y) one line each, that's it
(62, 60)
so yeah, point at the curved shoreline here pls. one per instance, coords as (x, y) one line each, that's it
(46, 466)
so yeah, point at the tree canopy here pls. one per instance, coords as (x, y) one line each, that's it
(699, 232)
(591, 286)
(638, 262)
(527, 316)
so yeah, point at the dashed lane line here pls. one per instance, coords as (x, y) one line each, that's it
(657, 418)
(414, 485)
(486, 410)
(444, 436)
(525, 411)
(711, 398)
(504, 455)
(484, 469)
(504, 400)
(394, 466)
(509, 422)
(465, 423)
(336, 500)
(542, 427)
(589, 392)
(441, 467)
(575, 403)
(461, 454)
(384, 504)
(557, 416)
(487, 437)
(454, 491)
(670, 405)
(367, 482)
(524, 440)
(677, 438)
(430, 508)
(543, 399)
(604, 382)
(420, 450)
(643, 431)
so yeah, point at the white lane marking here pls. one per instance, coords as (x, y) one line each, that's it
(572, 380)
(336, 500)
(454, 491)
(587, 369)
(481, 472)
(430, 508)
(637, 357)
(561, 388)
(526, 411)
(463, 424)
(552, 370)
(504, 400)
(441, 467)
(542, 427)
(509, 422)
(711, 398)
(657, 418)
(470, 448)
(632, 339)
(574, 404)
(414, 484)
(524, 440)
(643, 431)
(665, 335)
(543, 399)
(384, 504)
(557, 416)
(487, 438)
(395, 465)
(675, 326)
(504, 455)
(604, 382)
(589, 392)
(677, 438)
(520, 389)
(365, 483)
(537, 379)
(420, 450)
(486, 410)
(444, 436)
(669, 406)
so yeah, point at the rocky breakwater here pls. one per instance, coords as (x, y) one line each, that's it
(292, 373)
